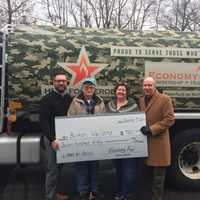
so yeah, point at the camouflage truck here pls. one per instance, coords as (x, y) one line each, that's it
(30, 55)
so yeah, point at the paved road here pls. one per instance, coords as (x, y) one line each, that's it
(28, 184)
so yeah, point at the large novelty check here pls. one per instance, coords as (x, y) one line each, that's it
(100, 137)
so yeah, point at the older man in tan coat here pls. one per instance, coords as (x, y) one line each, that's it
(87, 103)
(159, 117)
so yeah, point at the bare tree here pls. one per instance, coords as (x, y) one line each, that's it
(106, 10)
(88, 13)
(194, 24)
(158, 12)
(14, 11)
(101, 11)
(3, 14)
(141, 14)
(81, 13)
(57, 11)
(181, 15)
(121, 16)
(95, 11)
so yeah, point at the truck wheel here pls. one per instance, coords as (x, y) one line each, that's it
(185, 169)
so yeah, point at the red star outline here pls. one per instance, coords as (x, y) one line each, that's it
(82, 69)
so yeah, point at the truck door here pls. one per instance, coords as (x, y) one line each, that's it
(2, 77)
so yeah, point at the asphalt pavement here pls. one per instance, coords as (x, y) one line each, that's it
(27, 183)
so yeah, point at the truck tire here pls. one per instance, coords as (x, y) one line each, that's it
(185, 169)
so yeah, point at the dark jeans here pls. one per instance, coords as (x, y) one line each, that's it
(126, 174)
(52, 172)
(86, 176)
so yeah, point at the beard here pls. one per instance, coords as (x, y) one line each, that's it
(60, 89)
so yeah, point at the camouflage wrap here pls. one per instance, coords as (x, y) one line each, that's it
(35, 51)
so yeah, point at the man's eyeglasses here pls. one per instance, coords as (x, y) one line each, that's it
(60, 81)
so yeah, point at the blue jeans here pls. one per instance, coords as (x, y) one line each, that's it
(52, 173)
(86, 175)
(126, 175)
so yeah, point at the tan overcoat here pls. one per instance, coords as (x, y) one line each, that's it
(159, 117)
